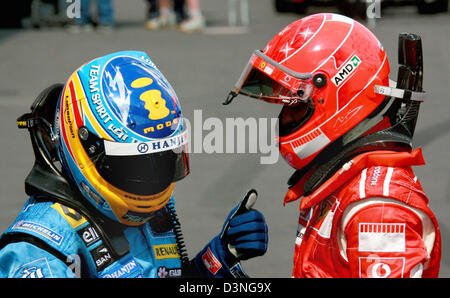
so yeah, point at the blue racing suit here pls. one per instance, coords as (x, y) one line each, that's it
(49, 239)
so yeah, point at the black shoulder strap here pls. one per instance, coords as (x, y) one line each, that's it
(45, 185)
(24, 237)
(113, 242)
(111, 233)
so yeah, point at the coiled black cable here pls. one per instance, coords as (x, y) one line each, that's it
(185, 262)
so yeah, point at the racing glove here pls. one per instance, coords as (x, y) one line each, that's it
(244, 235)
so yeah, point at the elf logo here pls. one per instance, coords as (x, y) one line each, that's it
(89, 235)
(346, 70)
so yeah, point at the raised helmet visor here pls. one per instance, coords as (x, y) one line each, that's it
(265, 79)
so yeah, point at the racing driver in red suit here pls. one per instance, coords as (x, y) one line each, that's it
(347, 130)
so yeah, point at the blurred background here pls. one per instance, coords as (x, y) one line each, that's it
(202, 51)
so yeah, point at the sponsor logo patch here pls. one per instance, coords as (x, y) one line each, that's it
(164, 272)
(346, 70)
(89, 235)
(376, 174)
(102, 257)
(382, 237)
(237, 271)
(32, 272)
(73, 217)
(39, 229)
(129, 269)
(166, 251)
(35, 269)
(378, 267)
(211, 262)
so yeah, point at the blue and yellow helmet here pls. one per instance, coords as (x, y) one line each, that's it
(121, 136)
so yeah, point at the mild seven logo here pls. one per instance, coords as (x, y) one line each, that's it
(345, 71)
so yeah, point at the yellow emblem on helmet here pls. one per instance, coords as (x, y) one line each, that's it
(154, 103)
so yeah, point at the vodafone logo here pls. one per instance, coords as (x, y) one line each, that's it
(380, 270)
(381, 267)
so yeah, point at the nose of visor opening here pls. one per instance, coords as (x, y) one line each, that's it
(265, 79)
(142, 168)
(291, 118)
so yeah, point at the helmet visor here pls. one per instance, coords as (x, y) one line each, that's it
(143, 168)
(265, 79)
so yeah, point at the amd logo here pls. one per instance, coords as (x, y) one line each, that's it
(346, 70)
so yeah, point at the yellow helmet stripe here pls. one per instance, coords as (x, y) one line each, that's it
(87, 110)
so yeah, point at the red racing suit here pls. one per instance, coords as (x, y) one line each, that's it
(371, 219)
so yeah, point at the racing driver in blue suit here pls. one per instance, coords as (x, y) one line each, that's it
(109, 146)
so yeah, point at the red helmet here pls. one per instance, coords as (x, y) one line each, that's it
(328, 71)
